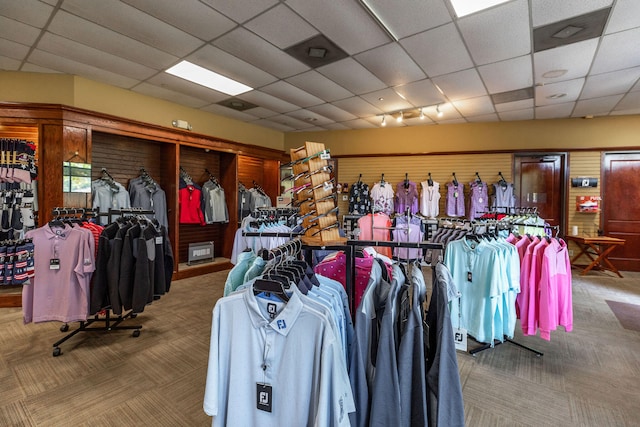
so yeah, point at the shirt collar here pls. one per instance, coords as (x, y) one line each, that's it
(57, 232)
(283, 322)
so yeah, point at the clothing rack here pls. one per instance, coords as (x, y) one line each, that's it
(125, 211)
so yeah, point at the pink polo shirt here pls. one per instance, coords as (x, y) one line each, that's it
(60, 294)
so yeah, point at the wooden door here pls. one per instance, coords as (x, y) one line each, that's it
(621, 207)
(539, 183)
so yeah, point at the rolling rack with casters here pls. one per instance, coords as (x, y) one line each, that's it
(110, 323)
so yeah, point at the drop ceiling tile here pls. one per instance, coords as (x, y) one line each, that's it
(556, 111)
(332, 112)
(136, 24)
(13, 50)
(352, 76)
(310, 117)
(17, 31)
(630, 101)
(452, 122)
(624, 16)
(82, 31)
(9, 64)
(632, 111)
(32, 68)
(240, 11)
(596, 106)
(337, 126)
(474, 106)
(508, 75)
(269, 27)
(66, 48)
(358, 107)
(31, 12)
(617, 51)
(438, 51)
(420, 93)
(346, 23)
(571, 89)
(169, 95)
(545, 12)
(493, 117)
(448, 113)
(316, 84)
(273, 125)
(191, 16)
(387, 100)
(292, 94)
(261, 112)
(230, 66)
(391, 64)
(177, 84)
(635, 87)
(461, 85)
(526, 114)
(51, 2)
(576, 58)
(64, 65)
(360, 124)
(617, 82)
(268, 101)
(498, 33)
(412, 17)
(221, 110)
(291, 122)
(515, 105)
(255, 50)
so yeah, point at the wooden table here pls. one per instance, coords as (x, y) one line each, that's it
(600, 246)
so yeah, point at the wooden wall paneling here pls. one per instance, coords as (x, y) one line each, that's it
(271, 179)
(76, 149)
(250, 169)
(169, 166)
(50, 171)
(229, 180)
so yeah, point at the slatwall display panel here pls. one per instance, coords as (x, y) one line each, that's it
(28, 133)
(584, 164)
(194, 161)
(250, 169)
(418, 167)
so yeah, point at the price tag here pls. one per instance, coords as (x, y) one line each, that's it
(54, 264)
(325, 155)
(480, 200)
(264, 394)
(455, 194)
(460, 338)
(327, 186)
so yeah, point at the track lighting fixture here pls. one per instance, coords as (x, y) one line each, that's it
(400, 117)
(384, 120)
(438, 111)
(421, 114)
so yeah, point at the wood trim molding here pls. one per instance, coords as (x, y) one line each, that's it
(523, 151)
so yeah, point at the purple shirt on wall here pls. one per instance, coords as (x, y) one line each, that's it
(455, 199)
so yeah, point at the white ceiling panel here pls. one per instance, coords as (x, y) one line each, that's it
(556, 111)
(230, 66)
(332, 112)
(346, 23)
(241, 11)
(13, 50)
(31, 12)
(515, 105)
(320, 86)
(337, 126)
(625, 15)
(596, 106)
(412, 17)
(576, 58)
(360, 124)
(255, 50)
(17, 31)
(630, 101)
(512, 74)
(269, 27)
(448, 113)
(310, 117)
(190, 16)
(48, 60)
(610, 83)
(618, 51)
(169, 95)
(291, 121)
(358, 107)
(461, 85)
(273, 125)
(498, 33)
(547, 11)
(387, 100)
(474, 106)
(9, 64)
(74, 28)
(493, 117)
(292, 94)
(32, 68)
(546, 95)
(526, 114)
(438, 51)
(391, 64)
(352, 76)
(261, 112)
(177, 84)
(86, 55)
(229, 112)
(421, 93)
(267, 101)
(631, 111)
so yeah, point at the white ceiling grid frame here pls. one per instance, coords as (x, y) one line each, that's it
(625, 15)
(332, 112)
(234, 114)
(268, 26)
(256, 51)
(411, 17)
(421, 93)
(615, 53)
(439, 51)
(493, 117)
(316, 84)
(615, 82)
(240, 11)
(352, 76)
(9, 64)
(596, 106)
(361, 124)
(391, 64)
(268, 101)
(346, 23)
(515, 105)
(545, 12)
(261, 112)
(516, 115)
(571, 88)
(498, 33)
(292, 94)
(474, 106)
(18, 32)
(555, 111)
(30, 12)
(507, 75)
(387, 100)
(358, 106)
(195, 90)
(169, 95)
(576, 58)
(631, 101)
(273, 125)
(461, 85)
(13, 50)
(310, 117)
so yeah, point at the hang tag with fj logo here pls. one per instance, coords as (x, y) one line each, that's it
(54, 264)
(264, 396)
(469, 277)
(460, 338)
(272, 310)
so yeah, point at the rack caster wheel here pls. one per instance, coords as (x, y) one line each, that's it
(64, 328)
(136, 333)
(57, 352)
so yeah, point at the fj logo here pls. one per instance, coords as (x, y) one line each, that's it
(281, 324)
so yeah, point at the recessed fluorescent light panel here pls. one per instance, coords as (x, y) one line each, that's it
(207, 78)
(467, 7)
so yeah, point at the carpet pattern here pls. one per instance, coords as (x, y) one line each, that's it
(627, 314)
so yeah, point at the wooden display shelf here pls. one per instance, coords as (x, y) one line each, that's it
(218, 264)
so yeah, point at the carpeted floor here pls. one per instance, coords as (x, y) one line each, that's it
(589, 377)
(627, 314)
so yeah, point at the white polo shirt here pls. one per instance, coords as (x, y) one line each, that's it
(300, 355)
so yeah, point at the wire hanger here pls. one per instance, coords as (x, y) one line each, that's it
(429, 180)
(455, 180)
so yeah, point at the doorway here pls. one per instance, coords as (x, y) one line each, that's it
(621, 206)
(540, 183)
